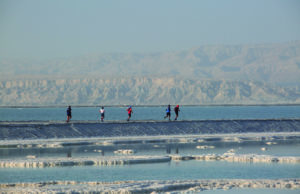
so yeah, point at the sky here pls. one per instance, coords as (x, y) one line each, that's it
(66, 28)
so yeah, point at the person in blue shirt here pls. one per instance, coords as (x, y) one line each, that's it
(168, 112)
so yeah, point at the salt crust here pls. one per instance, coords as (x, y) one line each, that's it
(32, 162)
(62, 142)
(230, 156)
(177, 186)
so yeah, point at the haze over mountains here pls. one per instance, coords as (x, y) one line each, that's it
(220, 74)
(272, 63)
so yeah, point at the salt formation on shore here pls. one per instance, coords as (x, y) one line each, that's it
(32, 162)
(124, 151)
(205, 147)
(122, 157)
(148, 186)
(59, 143)
(80, 161)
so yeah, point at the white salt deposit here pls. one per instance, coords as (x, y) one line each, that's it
(80, 161)
(195, 186)
(31, 157)
(162, 139)
(155, 186)
(271, 143)
(205, 147)
(129, 151)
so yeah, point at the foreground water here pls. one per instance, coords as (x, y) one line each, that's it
(183, 170)
(278, 148)
(152, 113)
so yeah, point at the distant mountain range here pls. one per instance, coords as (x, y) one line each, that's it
(278, 64)
(236, 74)
(142, 91)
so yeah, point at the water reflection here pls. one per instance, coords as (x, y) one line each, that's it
(278, 148)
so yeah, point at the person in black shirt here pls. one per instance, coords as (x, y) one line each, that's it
(69, 114)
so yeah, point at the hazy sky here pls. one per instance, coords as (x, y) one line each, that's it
(61, 28)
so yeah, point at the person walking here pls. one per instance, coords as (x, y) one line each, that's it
(69, 113)
(102, 111)
(176, 110)
(129, 111)
(168, 112)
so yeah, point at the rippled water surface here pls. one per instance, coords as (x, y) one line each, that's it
(183, 170)
(279, 148)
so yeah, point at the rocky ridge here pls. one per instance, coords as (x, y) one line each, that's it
(142, 91)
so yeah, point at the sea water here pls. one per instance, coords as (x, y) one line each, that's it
(279, 148)
(182, 170)
(151, 113)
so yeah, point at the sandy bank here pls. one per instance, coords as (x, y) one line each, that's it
(148, 186)
(46, 130)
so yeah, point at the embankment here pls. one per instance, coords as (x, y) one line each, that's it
(76, 129)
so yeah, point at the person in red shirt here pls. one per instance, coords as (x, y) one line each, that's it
(129, 110)
(176, 110)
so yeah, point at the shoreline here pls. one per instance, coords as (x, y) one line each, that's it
(229, 137)
(178, 186)
(145, 105)
(135, 121)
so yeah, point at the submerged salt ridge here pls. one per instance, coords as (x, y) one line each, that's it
(148, 186)
(64, 142)
(122, 157)
(108, 161)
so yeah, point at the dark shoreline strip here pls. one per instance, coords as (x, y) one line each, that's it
(145, 105)
(45, 130)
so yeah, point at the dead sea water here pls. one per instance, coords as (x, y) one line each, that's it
(171, 170)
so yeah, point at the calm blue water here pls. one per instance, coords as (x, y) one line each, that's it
(160, 171)
(183, 170)
(152, 113)
(281, 148)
